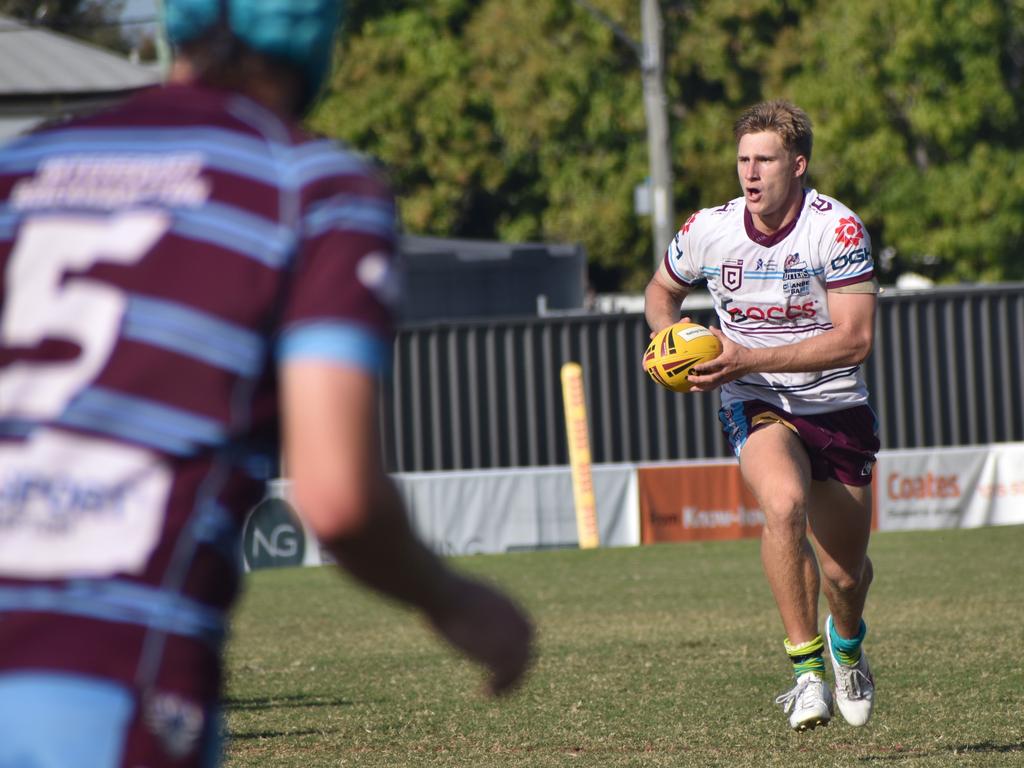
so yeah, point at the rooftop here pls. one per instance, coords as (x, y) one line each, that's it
(40, 62)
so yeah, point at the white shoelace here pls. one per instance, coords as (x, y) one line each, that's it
(789, 698)
(850, 681)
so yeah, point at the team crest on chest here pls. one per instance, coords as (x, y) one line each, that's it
(796, 278)
(732, 275)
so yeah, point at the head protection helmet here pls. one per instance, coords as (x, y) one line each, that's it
(300, 32)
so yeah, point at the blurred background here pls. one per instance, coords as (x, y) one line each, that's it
(526, 121)
(544, 152)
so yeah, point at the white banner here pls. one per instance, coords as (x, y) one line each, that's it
(968, 487)
(473, 512)
(998, 498)
(484, 511)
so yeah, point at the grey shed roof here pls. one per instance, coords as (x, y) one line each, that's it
(37, 62)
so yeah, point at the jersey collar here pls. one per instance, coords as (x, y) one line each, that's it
(776, 237)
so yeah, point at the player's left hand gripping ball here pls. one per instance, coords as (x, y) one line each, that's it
(674, 351)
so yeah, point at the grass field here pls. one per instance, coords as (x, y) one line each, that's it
(668, 655)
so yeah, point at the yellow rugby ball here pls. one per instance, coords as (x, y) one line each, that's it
(674, 351)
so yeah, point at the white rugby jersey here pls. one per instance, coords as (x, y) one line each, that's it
(771, 290)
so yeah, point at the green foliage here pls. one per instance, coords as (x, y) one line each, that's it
(563, 95)
(519, 121)
(723, 56)
(667, 655)
(917, 105)
(405, 101)
(525, 121)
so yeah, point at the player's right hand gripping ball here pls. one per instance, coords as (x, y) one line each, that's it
(674, 351)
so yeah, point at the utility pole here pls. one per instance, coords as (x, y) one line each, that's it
(650, 56)
(652, 66)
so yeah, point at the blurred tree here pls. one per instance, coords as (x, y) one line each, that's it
(567, 102)
(516, 121)
(403, 97)
(919, 126)
(524, 121)
(722, 55)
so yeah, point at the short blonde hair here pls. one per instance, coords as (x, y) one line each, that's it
(782, 118)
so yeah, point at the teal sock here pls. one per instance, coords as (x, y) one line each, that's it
(846, 651)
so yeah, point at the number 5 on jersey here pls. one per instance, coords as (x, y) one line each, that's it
(45, 301)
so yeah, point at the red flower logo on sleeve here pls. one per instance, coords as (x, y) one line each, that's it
(849, 232)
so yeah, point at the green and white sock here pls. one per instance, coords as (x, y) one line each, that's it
(807, 657)
(846, 651)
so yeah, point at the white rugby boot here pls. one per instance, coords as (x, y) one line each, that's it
(808, 703)
(855, 685)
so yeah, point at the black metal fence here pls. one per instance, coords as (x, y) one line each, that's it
(948, 369)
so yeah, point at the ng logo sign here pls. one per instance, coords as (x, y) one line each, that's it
(273, 536)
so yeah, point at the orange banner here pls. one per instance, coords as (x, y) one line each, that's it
(703, 502)
(696, 503)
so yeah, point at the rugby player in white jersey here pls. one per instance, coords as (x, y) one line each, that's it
(792, 277)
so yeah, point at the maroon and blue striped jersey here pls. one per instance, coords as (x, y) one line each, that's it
(159, 261)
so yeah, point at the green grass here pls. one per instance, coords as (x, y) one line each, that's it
(668, 655)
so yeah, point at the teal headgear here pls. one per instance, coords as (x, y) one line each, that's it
(300, 32)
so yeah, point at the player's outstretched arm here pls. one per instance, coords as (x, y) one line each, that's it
(332, 453)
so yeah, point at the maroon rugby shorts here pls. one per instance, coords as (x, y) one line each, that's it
(840, 444)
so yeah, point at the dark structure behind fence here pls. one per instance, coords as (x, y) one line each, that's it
(948, 369)
(461, 279)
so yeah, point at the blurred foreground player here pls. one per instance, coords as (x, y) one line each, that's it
(792, 276)
(177, 272)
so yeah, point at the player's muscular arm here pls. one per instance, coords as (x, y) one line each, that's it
(662, 300)
(848, 342)
(332, 453)
(333, 460)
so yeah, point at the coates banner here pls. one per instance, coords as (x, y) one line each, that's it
(951, 487)
(696, 502)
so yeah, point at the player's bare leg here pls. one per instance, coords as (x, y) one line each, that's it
(840, 518)
(776, 468)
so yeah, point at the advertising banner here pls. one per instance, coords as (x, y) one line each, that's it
(275, 536)
(999, 497)
(486, 511)
(696, 502)
(951, 487)
(464, 513)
